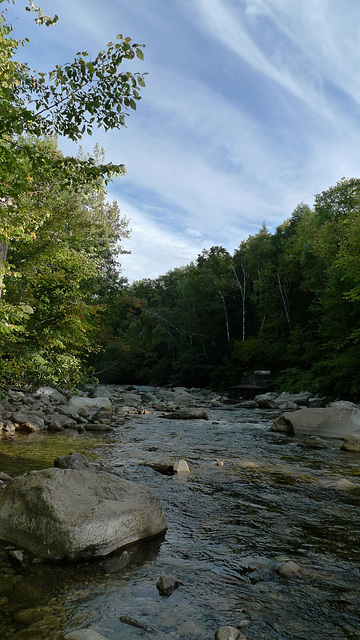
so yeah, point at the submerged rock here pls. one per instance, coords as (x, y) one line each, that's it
(84, 634)
(187, 414)
(351, 443)
(229, 633)
(65, 514)
(166, 584)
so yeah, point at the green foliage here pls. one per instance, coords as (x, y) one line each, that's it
(287, 301)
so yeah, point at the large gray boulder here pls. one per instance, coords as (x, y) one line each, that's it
(65, 514)
(329, 422)
(90, 404)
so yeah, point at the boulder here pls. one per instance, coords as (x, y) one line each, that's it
(66, 514)
(27, 421)
(301, 399)
(329, 422)
(51, 393)
(266, 400)
(89, 404)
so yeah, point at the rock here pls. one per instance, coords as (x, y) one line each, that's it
(51, 393)
(343, 404)
(187, 414)
(301, 399)
(90, 426)
(115, 564)
(60, 514)
(266, 400)
(351, 443)
(100, 392)
(288, 569)
(29, 422)
(72, 461)
(229, 633)
(314, 442)
(59, 421)
(248, 404)
(89, 404)
(287, 406)
(166, 584)
(17, 557)
(330, 422)
(84, 634)
(341, 484)
(317, 403)
(181, 466)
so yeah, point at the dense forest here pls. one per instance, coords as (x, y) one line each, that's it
(287, 301)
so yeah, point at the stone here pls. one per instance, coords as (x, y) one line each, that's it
(100, 392)
(59, 421)
(248, 404)
(166, 584)
(301, 399)
(52, 393)
(89, 404)
(66, 514)
(288, 569)
(342, 484)
(27, 421)
(181, 466)
(229, 633)
(84, 634)
(72, 461)
(351, 443)
(187, 414)
(329, 422)
(266, 400)
(314, 442)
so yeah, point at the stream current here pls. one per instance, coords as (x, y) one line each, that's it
(253, 499)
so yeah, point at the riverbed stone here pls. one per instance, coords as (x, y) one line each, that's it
(351, 443)
(288, 569)
(167, 584)
(301, 398)
(229, 633)
(29, 422)
(195, 413)
(329, 422)
(54, 394)
(65, 514)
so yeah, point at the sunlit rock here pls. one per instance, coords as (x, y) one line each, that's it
(61, 514)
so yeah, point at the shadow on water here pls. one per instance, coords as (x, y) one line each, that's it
(253, 500)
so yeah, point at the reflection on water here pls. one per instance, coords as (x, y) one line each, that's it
(252, 500)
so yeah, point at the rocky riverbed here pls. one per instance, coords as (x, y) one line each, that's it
(263, 531)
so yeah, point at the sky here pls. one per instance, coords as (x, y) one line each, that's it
(250, 108)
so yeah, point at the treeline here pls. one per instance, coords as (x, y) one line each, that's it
(287, 301)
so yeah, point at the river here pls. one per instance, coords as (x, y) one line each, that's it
(253, 499)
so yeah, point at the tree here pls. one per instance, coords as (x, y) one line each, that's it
(69, 101)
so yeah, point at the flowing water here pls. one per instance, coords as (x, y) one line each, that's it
(253, 500)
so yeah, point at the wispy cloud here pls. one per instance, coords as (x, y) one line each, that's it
(251, 107)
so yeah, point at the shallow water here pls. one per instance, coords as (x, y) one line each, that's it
(229, 527)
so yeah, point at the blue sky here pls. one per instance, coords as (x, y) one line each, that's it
(251, 107)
